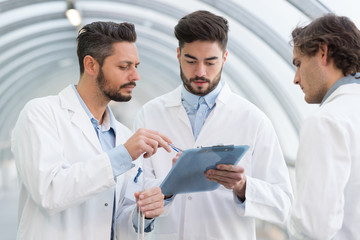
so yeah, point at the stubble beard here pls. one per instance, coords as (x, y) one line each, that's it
(200, 91)
(112, 94)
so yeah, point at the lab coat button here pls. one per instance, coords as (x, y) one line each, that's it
(106, 204)
(189, 197)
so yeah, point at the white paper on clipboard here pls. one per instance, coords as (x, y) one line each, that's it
(187, 174)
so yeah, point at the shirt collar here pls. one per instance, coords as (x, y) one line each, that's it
(108, 119)
(210, 98)
(342, 81)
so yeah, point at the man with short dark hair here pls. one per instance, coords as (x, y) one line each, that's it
(72, 156)
(327, 58)
(203, 111)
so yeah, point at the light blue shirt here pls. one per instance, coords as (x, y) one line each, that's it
(120, 159)
(198, 108)
(342, 81)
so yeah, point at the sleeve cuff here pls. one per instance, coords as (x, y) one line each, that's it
(168, 200)
(148, 226)
(239, 202)
(120, 160)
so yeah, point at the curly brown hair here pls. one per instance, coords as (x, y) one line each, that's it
(341, 36)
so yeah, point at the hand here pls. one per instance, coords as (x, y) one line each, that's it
(146, 141)
(173, 162)
(150, 202)
(176, 158)
(230, 176)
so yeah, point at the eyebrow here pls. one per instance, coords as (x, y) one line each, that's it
(129, 62)
(207, 59)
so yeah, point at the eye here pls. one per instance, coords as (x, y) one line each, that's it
(296, 63)
(123, 67)
(210, 63)
(190, 62)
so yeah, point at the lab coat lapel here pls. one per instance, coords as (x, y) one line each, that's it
(119, 132)
(78, 116)
(181, 114)
(224, 95)
(221, 100)
(175, 101)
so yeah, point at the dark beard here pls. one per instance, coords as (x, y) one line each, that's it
(112, 94)
(199, 90)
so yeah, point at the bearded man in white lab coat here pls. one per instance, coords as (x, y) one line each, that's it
(203, 111)
(327, 58)
(71, 154)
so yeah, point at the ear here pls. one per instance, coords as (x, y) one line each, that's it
(91, 66)
(225, 55)
(323, 49)
(178, 54)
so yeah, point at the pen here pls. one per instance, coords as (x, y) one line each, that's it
(175, 148)
(137, 175)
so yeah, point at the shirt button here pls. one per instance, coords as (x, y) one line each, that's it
(106, 204)
(189, 197)
(200, 114)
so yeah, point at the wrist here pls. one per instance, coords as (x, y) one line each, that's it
(240, 192)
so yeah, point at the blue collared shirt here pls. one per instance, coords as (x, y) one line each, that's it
(120, 158)
(342, 81)
(198, 108)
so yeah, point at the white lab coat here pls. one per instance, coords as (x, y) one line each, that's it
(66, 180)
(327, 204)
(218, 214)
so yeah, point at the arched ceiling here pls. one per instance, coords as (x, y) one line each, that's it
(38, 54)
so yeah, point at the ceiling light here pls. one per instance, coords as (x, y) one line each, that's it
(72, 14)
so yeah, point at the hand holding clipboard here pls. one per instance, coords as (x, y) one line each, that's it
(188, 173)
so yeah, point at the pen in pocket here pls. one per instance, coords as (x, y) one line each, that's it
(137, 175)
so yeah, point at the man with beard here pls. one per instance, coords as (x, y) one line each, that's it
(72, 156)
(203, 112)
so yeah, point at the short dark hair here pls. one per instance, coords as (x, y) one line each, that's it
(203, 26)
(96, 39)
(340, 35)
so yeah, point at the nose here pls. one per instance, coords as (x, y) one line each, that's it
(200, 70)
(297, 77)
(134, 76)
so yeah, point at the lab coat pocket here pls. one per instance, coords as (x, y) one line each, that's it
(134, 184)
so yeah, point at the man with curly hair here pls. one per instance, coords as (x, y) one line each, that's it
(327, 58)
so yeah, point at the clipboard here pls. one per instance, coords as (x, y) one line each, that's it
(188, 173)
